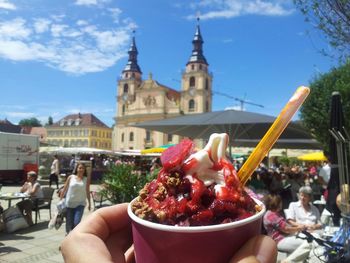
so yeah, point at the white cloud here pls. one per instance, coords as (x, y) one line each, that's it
(19, 115)
(235, 107)
(75, 48)
(227, 40)
(21, 51)
(57, 29)
(212, 9)
(5, 4)
(41, 25)
(116, 12)
(15, 113)
(91, 2)
(86, 2)
(14, 29)
(82, 22)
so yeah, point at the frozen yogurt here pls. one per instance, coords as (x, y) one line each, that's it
(195, 188)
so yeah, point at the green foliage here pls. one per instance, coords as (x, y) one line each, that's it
(50, 121)
(122, 183)
(32, 122)
(333, 19)
(289, 161)
(315, 112)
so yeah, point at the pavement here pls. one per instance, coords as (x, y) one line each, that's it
(36, 243)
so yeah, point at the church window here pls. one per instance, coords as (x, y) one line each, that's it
(133, 75)
(122, 139)
(123, 110)
(191, 105)
(126, 88)
(192, 67)
(206, 84)
(192, 81)
(131, 137)
(207, 106)
(148, 136)
(200, 67)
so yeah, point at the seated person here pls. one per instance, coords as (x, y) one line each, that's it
(33, 189)
(303, 213)
(278, 228)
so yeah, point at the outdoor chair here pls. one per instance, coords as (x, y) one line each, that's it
(43, 203)
(98, 199)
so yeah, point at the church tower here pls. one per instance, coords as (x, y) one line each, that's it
(141, 100)
(130, 80)
(196, 94)
(128, 84)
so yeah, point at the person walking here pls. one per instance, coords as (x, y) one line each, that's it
(76, 190)
(72, 163)
(55, 170)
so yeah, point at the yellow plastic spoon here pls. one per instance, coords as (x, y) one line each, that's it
(274, 132)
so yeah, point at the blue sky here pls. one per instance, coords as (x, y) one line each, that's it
(64, 56)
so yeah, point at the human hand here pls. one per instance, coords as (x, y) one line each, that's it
(105, 236)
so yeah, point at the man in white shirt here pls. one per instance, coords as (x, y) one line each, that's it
(325, 172)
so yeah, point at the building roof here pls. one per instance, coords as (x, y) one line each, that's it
(80, 119)
(7, 126)
(40, 131)
(197, 52)
(132, 65)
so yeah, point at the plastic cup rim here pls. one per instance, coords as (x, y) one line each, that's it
(196, 229)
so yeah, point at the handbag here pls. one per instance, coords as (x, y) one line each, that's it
(56, 221)
(14, 219)
(61, 206)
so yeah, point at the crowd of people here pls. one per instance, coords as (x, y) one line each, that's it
(287, 193)
(74, 194)
(286, 181)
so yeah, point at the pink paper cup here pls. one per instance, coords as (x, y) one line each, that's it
(157, 243)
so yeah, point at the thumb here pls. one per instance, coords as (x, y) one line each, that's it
(259, 249)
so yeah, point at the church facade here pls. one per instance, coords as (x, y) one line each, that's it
(140, 100)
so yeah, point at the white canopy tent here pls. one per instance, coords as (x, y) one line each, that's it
(73, 150)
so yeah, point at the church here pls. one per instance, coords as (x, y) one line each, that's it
(140, 100)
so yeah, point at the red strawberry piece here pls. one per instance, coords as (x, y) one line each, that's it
(192, 207)
(173, 157)
(203, 217)
(225, 193)
(181, 206)
(163, 176)
(197, 190)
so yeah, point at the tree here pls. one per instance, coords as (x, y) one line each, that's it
(331, 17)
(50, 121)
(32, 122)
(315, 112)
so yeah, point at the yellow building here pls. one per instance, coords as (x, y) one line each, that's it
(80, 130)
(141, 100)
